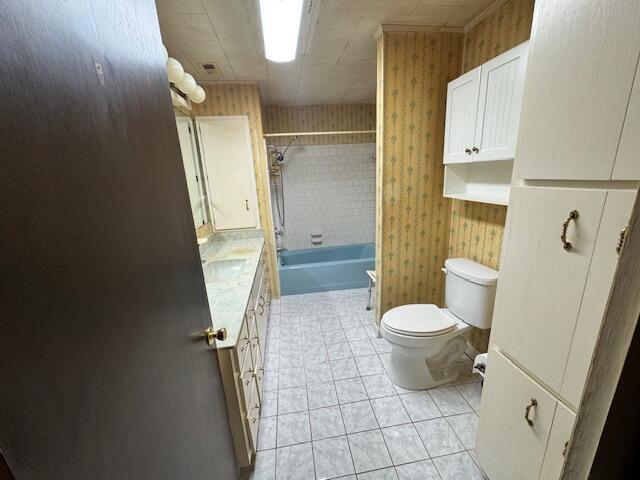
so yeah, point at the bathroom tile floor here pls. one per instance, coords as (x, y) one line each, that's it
(329, 409)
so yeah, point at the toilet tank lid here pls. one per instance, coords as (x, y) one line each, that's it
(472, 271)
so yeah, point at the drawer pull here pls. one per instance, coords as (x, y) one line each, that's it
(563, 236)
(530, 415)
(621, 236)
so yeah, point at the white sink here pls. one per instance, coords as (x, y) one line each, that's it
(221, 270)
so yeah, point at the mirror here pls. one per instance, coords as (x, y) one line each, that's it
(191, 160)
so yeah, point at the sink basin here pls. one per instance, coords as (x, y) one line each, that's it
(221, 270)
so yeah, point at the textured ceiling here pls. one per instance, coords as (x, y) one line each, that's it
(336, 49)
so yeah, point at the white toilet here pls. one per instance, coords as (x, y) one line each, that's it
(426, 340)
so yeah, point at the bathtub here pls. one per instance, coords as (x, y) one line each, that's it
(326, 268)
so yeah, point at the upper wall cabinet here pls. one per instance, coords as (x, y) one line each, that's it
(585, 100)
(228, 162)
(483, 112)
(483, 109)
(499, 105)
(462, 109)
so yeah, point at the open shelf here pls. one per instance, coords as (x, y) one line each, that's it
(485, 182)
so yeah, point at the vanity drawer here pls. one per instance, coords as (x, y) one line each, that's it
(246, 376)
(253, 415)
(242, 347)
(258, 370)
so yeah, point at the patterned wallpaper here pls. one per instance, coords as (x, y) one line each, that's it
(321, 118)
(477, 228)
(244, 99)
(412, 215)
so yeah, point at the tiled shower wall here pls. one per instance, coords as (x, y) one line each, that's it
(329, 189)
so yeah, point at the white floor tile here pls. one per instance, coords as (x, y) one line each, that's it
(458, 466)
(332, 458)
(424, 470)
(293, 428)
(322, 395)
(369, 451)
(389, 411)
(358, 417)
(420, 406)
(449, 401)
(439, 437)
(404, 444)
(326, 422)
(295, 462)
(465, 426)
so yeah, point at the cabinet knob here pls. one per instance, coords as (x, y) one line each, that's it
(467, 151)
(475, 150)
(563, 236)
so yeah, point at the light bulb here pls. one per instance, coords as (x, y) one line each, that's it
(198, 94)
(187, 84)
(175, 72)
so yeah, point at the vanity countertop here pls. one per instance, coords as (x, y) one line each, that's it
(228, 298)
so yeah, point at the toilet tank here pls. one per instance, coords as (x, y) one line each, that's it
(470, 290)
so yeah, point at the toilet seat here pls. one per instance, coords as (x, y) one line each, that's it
(418, 320)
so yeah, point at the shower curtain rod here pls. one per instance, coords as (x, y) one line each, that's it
(310, 134)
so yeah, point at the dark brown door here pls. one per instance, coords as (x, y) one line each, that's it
(101, 288)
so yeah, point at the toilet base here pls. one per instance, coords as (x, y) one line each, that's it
(419, 368)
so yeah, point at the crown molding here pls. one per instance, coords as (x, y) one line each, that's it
(400, 27)
(490, 10)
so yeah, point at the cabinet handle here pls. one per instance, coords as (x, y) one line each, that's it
(529, 416)
(467, 151)
(246, 204)
(621, 236)
(563, 236)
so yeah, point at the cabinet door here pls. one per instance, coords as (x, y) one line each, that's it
(582, 61)
(617, 210)
(541, 284)
(499, 105)
(627, 166)
(561, 429)
(507, 446)
(228, 159)
(462, 109)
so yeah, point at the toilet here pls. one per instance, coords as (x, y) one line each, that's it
(427, 341)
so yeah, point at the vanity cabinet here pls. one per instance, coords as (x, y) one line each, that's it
(581, 68)
(242, 368)
(562, 237)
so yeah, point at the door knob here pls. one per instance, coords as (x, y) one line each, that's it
(211, 335)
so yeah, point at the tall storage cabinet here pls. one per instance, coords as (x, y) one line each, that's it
(561, 242)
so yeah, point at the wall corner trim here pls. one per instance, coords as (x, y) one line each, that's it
(487, 12)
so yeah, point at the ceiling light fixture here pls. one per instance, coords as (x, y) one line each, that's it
(280, 28)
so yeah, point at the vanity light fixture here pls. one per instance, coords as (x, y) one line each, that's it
(280, 28)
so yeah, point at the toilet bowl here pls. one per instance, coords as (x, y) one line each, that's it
(427, 341)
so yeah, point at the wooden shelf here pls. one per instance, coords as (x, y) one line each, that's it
(484, 182)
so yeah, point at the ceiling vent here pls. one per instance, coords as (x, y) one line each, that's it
(210, 68)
